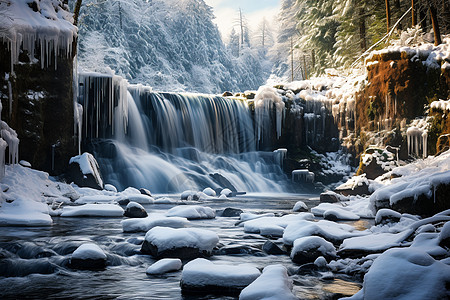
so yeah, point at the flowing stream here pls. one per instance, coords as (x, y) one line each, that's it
(35, 260)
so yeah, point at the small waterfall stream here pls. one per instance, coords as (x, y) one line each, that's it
(170, 142)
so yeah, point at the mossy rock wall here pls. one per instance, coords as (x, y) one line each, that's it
(42, 109)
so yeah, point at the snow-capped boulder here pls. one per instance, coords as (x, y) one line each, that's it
(93, 210)
(226, 192)
(209, 192)
(153, 220)
(110, 188)
(192, 212)
(145, 191)
(88, 256)
(203, 276)
(329, 197)
(84, 171)
(308, 249)
(165, 265)
(386, 215)
(300, 206)
(274, 283)
(183, 243)
(135, 210)
(406, 273)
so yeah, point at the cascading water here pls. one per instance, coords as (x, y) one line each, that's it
(172, 142)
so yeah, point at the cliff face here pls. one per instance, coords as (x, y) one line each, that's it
(36, 74)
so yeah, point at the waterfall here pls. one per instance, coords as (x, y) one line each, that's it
(169, 142)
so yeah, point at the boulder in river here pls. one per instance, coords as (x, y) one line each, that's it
(308, 249)
(135, 210)
(88, 256)
(84, 171)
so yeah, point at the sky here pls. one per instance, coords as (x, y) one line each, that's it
(226, 12)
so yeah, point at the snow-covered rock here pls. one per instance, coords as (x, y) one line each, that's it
(250, 216)
(192, 212)
(135, 210)
(386, 215)
(329, 230)
(183, 243)
(209, 192)
(273, 226)
(93, 210)
(308, 249)
(110, 188)
(300, 206)
(88, 256)
(274, 283)
(226, 192)
(153, 220)
(405, 274)
(165, 265)
(203, 276)
(84, 171)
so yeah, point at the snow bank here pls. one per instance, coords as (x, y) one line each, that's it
(192, 212)
(165, 238)
(153, 220)
(274, 283)
(26, 191)
(165, 265)
(93, 210)
(51, 27)
(417, 178)
(201, 273)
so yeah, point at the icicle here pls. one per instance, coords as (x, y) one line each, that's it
(10, 97)
(425, 143)
(3, 145)
(10, 136)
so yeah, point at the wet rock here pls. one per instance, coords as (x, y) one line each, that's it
(123, 202)
(329, 197)
(84, 171)
(385, 216)
(232, 212)
(273, 249)
(88, 257)
(227, 94)
(222, 181)
(135, 210)
(237, 250)
(145, 192)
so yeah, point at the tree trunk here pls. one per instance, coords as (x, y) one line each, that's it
(388, 15)
(362, 29)
(76, 12)
(434, 22)
(413, 14)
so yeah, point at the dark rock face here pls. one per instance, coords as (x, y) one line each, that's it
(88, 264)
(237, 250)
(135, 212)
(181, 253)
(232, 212)
(329, 198)
(272, 248)
(145, 192)
(222, 181)
(42, 110)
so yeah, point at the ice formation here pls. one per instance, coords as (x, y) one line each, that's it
(417, 137)
(266, 98)
(46, 33)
